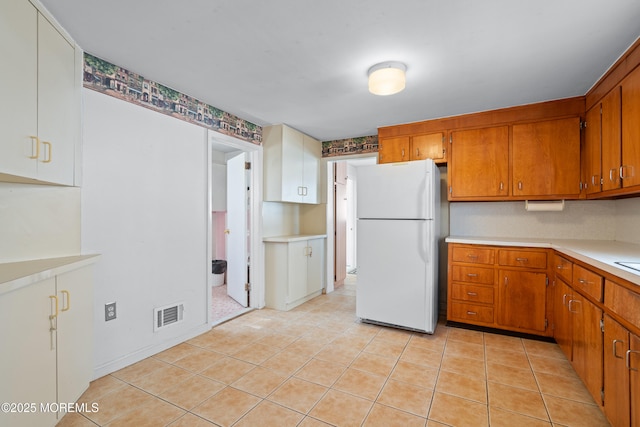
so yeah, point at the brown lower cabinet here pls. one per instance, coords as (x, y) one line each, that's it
(587, 343)
(621, 375)
(578, 332)
(499, 287)
(562, 329)
(523, 296)
(595, 320)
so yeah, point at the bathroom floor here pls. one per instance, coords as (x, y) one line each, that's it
(223, 305)
(317, 365)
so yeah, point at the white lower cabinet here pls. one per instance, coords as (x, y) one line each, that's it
(47, 348)
(294, 268)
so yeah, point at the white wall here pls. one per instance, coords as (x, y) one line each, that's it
(145, 209)
(38, 221)
(218, 187)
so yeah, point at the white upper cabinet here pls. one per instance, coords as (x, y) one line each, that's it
(19, 87)
(291, 166)
(40, 131)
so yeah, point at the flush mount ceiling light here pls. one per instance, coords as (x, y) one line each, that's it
(387, 78)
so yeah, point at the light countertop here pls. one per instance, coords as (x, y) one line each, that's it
(14, 275)
(293, 238)
(601, 254)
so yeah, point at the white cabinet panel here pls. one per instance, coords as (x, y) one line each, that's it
(291, 166)
(294, 272)
(57, 105)
(46, 332)
(28, 368)
(40, 130)
(18, 85)
(75, 333)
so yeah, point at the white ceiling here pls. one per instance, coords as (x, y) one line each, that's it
(304, 62)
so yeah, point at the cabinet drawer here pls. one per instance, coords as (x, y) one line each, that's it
(528, 259)
(471, 312)
(472, 274)
(473, 255)
(563, 268)
(472, 293)
(587, 281)
(622, 301)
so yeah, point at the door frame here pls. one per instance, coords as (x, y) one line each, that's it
(256, 250)
(328, 164)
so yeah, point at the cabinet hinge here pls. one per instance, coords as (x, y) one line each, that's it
(247, 165)
(546, 323)
(583, 125)
(450, 190)
(602, 396)
(450, 139)
(547, 280)
(602, 325)
(247, 287)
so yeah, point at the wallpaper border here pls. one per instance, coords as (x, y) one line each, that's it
(105, 77)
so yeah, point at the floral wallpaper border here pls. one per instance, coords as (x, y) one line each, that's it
(102, 76)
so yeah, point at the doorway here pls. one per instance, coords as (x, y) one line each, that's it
(234, 280)
(342, 219)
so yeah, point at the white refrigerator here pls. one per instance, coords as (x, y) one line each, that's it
(398, 206)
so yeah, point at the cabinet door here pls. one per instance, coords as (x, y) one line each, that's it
(616, 374)
(28, 368)
(630, 169)
(292, 164)
(311, 155)
(297, 264)
(562, 329)
(393, 149)
(58, 114)
(611, 140)
(587, 343)
(592, 154)
(634, 378)
(479, 162)
(75, 333)
(18, 85)
(430, 146)
(315, 265)
(522, 300)
(546, 158)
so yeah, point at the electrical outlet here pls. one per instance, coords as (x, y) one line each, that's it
(109, 311)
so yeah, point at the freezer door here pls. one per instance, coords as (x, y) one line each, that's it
(395, 273)
(396, 190)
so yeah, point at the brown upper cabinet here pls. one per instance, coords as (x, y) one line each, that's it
(413, 147)
(479, 163)
(611, 152)
(541, 160)
(629, 171)
(546, 159)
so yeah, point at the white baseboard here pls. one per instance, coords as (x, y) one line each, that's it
(130, 359)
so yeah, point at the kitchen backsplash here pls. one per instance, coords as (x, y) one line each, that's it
(580, 219)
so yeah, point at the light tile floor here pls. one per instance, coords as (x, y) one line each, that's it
(317, 365)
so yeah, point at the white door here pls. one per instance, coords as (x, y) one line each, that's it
(237, 229)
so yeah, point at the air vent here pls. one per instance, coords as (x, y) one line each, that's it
(169, 315)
